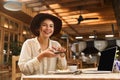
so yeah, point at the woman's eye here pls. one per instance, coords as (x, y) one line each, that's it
(51, 26)
(43, 25)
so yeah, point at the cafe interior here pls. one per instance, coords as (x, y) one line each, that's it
(88, 28)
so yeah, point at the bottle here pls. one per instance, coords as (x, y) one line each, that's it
(116, 67)
(74, 57)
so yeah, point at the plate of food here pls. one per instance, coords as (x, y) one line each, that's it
(61, 72)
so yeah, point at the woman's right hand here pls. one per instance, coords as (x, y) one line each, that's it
(46, 53)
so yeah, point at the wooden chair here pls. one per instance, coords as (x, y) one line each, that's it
(92, 62)
(15, 70)
(5, 72)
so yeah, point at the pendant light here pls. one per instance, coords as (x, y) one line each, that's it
(12, 5)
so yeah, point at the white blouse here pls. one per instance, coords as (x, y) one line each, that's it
(29, 64)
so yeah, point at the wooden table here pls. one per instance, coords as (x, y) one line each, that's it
(109, 76)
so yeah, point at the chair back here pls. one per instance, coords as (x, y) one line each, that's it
(15, 69)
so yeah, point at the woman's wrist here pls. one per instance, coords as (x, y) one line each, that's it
(40, 57)
(62, 55)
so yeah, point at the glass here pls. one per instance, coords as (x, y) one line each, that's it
(100, 45)
(5, 56)
(6, 22)
(26, 33)
(73, 47)
(11, 37)
(82, 46)
(118, 42)
(0, 35)
(5, 52)
(6, 46)
(2, 21)
(11, 25)
(6, 36)
(0, 43)
(78, 47)
(16, 26)
(16, 37)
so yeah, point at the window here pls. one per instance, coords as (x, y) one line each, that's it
(26, 33)
(6, 23)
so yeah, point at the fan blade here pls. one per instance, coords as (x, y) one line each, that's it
(81, 19)
(90, 18)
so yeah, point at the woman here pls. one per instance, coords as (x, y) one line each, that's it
(38, 54)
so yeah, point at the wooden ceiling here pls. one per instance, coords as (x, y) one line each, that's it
(70, 10)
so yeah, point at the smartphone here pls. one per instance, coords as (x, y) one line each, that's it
(58, 52)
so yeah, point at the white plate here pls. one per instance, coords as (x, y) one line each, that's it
(60, 72)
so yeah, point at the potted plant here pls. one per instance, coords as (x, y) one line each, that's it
(15, 48)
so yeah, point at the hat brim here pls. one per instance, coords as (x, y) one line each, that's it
(36, 21)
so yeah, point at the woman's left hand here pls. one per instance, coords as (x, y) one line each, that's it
(61, 50)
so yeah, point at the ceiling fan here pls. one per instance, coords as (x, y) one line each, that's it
(82, 19)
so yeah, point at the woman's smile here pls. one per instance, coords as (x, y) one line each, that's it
(47, 28)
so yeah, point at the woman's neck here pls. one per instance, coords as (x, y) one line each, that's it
(44, 42)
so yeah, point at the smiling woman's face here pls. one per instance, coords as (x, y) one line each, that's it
(47, 28)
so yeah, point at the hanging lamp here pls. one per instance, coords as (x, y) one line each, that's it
(12, 5)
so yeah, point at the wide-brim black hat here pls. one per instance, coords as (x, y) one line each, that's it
(36, 21)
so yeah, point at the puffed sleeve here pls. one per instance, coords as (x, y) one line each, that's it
(27, 64)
